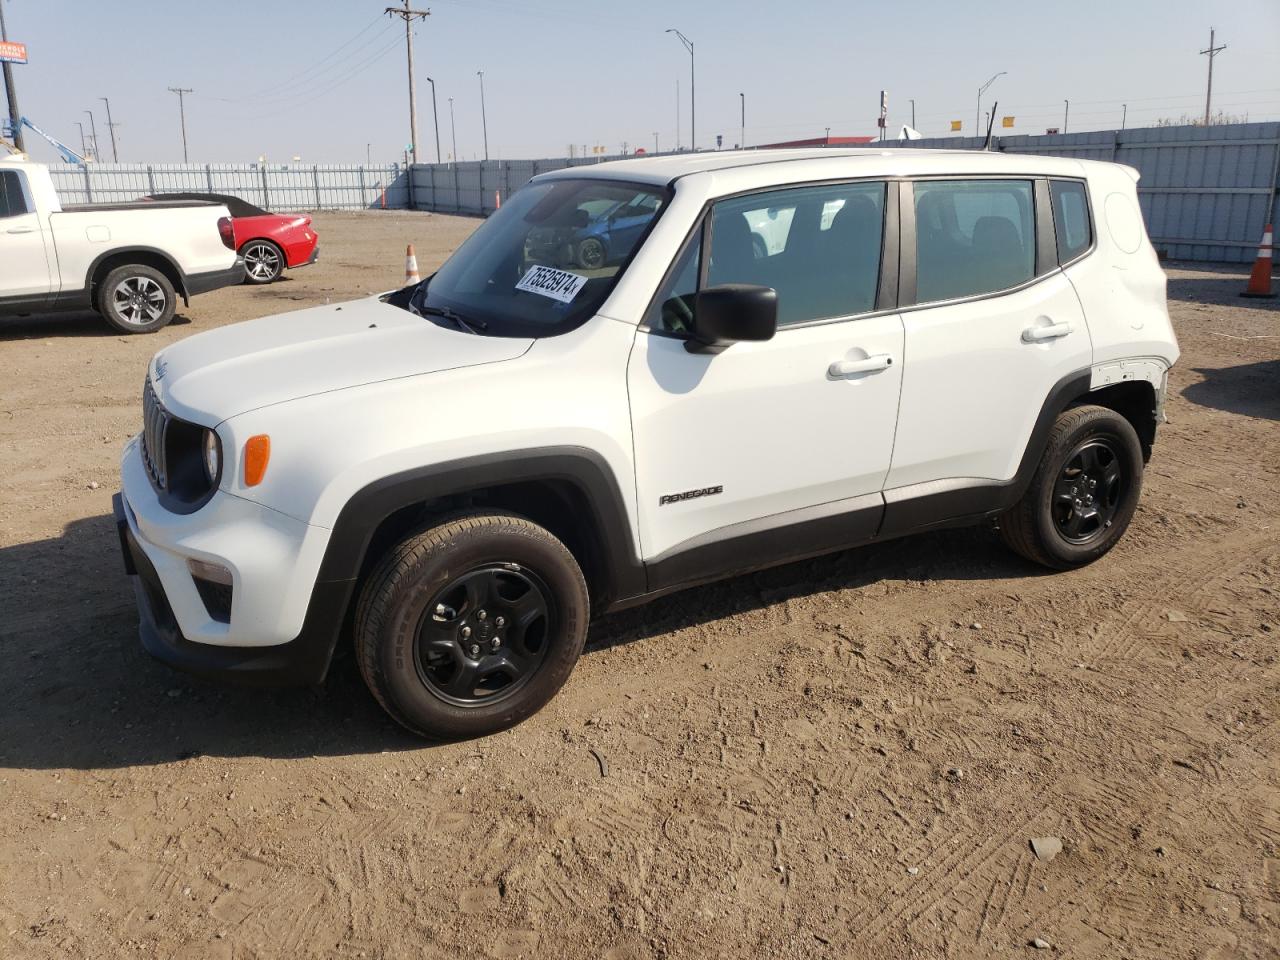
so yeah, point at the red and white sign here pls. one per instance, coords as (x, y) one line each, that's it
(13, 52)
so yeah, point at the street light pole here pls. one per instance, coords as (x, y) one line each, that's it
(977, 113)
(1124, 114)
(913, 115)
(111, 128)
(1066, 113)
(454, 128)
(484, 124)
(693, 96)
(742, 140)
(84, 151)
(435, 116)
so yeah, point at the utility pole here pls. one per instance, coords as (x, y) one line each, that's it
(408, 16)
(913, 115)
(742, 140)
(1066, 113)
(84, 150)
(435, 116)
(454, 128)
(111, 128)
(655, 141)
(1124, 114)
(1208, 95)
(693, 91)
(484, 123)
(182, 113)
(94, 127)
(14, 115)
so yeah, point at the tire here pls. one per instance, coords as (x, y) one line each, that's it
(448, 632)
(263, 261)
(591, 254)
(1083, 494)
(136, 298)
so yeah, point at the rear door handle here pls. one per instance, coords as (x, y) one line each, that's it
(1050, 331)
(21, 230)
(850, 368)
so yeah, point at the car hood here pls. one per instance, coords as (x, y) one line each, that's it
(223, 373)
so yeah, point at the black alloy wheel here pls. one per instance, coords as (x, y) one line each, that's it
(484, 635)
(1088, 491)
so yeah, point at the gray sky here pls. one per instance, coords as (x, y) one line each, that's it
(320, 79)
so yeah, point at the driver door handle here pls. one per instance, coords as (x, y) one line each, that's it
(850, 368)
(1049, 332)
(21, 230)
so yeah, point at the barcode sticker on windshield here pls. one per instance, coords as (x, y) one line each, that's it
(549, 282)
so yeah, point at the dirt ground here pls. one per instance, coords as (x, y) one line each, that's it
(845, 757)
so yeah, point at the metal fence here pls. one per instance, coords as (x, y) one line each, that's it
(274, 187)
(1206, 192)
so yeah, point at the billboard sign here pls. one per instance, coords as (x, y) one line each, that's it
(13, 52)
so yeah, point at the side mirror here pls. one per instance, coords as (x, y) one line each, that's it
(732, 312)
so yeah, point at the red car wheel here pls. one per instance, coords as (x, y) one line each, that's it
(263, 261)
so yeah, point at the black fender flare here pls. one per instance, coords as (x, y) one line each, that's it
(585, 469)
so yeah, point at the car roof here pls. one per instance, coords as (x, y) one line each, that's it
(800, 164)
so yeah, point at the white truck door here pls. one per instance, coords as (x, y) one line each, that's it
(24, 259)
(788, 440)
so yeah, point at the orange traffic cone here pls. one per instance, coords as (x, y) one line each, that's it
(1260, 279)
(410, 267)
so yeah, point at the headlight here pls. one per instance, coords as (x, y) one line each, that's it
(212, 456)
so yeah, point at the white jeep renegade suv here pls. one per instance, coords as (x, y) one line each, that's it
(456, 475)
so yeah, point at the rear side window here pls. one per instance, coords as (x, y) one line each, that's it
(973, 237)
(1070, 218)
(818, 247)
(13, 199)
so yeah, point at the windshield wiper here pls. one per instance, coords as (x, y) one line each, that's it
(469, 326)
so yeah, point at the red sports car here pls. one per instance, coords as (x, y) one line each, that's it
(269, 242)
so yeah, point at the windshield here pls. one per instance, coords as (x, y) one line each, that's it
(545, 261)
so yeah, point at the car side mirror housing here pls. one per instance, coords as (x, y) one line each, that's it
(733, 312)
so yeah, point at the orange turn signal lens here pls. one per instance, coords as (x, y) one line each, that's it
(257, 451)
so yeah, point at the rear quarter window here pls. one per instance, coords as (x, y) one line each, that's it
(1070, 218)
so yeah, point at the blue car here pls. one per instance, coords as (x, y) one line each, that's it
(610, 233)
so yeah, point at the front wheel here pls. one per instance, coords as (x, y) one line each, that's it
(471, 626)
(263, 261)
(136, 299)
(1083, 494)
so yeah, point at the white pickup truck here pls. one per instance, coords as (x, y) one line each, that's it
(128, 261)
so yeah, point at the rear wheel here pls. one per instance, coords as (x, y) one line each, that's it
(136, 299)
(1083, 494)
(263, 261)
(471, 626)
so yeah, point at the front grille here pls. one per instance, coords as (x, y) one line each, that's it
(155, 428)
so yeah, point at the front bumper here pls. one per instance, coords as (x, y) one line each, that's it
(303, 660)
(283, 624)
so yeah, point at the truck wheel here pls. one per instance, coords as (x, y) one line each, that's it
(1083, 494)
(263, 261)
(471, 626)
(136, 299)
